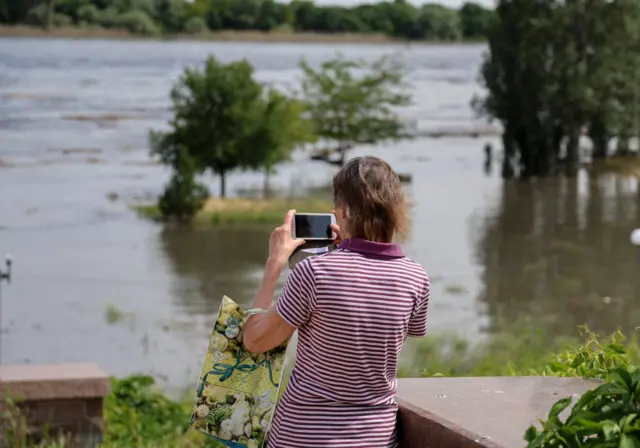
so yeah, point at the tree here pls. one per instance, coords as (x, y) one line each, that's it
(397, 18)
(170, 14)
(555, 69)
(216, 114)
(50, 14)
(474, 20)
(183, 196)
(282, 129)
(349, 109)
(439, 23)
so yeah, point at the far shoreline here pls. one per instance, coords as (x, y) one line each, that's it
(221, 36)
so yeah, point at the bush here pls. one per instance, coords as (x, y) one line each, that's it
(134, 412)
(88, 14)
(183, 196)
(604, 417)
(109, 18)
(62, 20)
(138, 22)
(37, 16)
(146, 6)
(195, 25)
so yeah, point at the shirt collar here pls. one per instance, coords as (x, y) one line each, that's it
(372, 248)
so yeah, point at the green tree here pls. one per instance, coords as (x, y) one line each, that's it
(42, 14)
(439, 23)
(281, 130)
(557, 68)
(138, 22)
(398, 18)
(474, 20)
(216, 113)
(349, 109)
(183, 196)
(50, 13)
(170, 14)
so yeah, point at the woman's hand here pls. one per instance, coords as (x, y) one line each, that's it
(281, 243)
(336, 230)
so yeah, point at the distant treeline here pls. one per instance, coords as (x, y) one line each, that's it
(398, 19)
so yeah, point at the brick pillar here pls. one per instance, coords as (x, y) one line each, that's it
(55, 399)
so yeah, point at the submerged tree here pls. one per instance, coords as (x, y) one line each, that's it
(183, 196)
(224, 120)
(281, 130)
(349, 108)
(556, 70)
(216, 114)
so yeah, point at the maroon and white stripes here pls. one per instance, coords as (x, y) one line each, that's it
(353, 307)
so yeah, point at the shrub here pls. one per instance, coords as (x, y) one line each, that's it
(62, 20)
(109, 18)
(195, 25)
(88, 14)
(183, 196)
(138, 22)
(135, 412)
(37, 16)
(604, 417)
(146, 6)
(594, 359)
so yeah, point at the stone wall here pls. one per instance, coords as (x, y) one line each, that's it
(56, 399)
(490, 412)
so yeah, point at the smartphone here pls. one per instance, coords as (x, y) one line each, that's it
(313, 226)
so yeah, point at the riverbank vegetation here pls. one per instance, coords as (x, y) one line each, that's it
(138, 415)
(216, 211)
(395, 19)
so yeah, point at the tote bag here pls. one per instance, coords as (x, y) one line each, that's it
(237, 391)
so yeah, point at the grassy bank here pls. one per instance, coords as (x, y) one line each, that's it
(627, 165)
(224, 36)
(244, 211)
(221, 36)
(138, 415)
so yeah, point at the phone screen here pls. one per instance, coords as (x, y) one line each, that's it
(313, 226)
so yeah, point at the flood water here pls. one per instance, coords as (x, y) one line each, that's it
(93, 282)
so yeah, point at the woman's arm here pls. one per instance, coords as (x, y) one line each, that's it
(262, 332)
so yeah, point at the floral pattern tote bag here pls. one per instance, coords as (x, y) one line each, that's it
(237, 391)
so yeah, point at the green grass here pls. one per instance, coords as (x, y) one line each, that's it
(455, 289)
(244, 211)
(148, 211)
(113, 315)
(626, 165)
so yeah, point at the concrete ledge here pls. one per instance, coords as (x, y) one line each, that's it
(53, 382)
(490, 412)
(56, 399)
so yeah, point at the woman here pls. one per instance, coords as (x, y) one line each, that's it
(353, 307)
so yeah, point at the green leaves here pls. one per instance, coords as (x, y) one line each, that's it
(349, 108)
(628, 441)
(224, 120)
(556, 69)
(138, 416)
(183, 196)
(558, 407)
(606, 416)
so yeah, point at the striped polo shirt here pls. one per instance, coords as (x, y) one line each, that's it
(353, 308)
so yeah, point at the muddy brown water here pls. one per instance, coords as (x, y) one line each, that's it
(93, 282)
